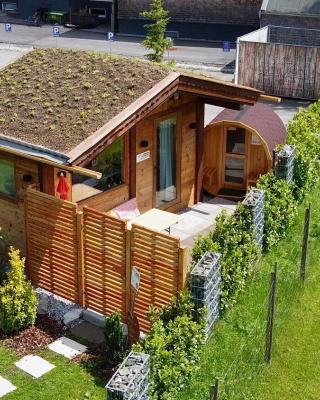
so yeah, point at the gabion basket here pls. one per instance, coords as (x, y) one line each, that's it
(204, 285)
(285, 161)
(131, 380)
(255, 202)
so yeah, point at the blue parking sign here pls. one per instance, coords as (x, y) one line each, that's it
(8, 27)
(110, 36)
(56, 31)
(226, 46)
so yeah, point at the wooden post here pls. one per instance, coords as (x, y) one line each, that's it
(199, 152)
(183, 268)
(270, 320)
(132, 162)
(214, 390)
(128, 270)
(305, 242)
(81, 289)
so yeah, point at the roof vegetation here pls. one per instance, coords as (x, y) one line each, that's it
(57, 98)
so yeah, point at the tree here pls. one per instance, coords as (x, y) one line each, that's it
(18, 300)
(155, 39)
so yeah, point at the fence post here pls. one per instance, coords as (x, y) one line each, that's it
(183, 268)
(270, 320)
(214, 390)
(128, 269)
(80, 253)
(305, 242)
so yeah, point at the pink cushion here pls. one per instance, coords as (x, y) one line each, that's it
(127, 210)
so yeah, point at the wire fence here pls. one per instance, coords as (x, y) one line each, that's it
(236, 379)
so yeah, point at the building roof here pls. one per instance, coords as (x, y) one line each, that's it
(301, 7)
(75, 103)
(260, 118)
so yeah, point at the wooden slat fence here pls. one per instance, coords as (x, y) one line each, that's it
(157, 257)
(52, 244)
(87, 257)
(104, 262)
(280, 69)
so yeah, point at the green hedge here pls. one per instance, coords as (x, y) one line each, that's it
(174, 345)
(233, 238)
(304, 133)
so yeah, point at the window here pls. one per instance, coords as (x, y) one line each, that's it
(110, 164)
(236, 138)
(166, 161)
(7, 178)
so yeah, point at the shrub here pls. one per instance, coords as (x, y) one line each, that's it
(233, 238)
(18, 300)
(174, 345)
(304, 133)
(279, 208)
(3, 256)
(115, 341)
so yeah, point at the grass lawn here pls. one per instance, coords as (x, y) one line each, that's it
(68, 381)
(235, 351)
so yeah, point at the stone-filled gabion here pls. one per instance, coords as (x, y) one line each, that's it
(204, 285)
(131, 381)
(255, 202)
(284, 162)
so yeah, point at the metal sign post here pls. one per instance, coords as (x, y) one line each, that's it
(8, 28)
(56, 33)
(226, 46)
(110, 39)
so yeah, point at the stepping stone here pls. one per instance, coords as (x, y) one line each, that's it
(91, 333)
(67, 347)
(34, 366)
(6, 387)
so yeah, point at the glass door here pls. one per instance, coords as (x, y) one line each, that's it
(235, 158)
(166, 176)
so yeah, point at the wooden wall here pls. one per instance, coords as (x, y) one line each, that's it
(281, 70)
(257, 160)
(107, 200)
(185, 108)
(12, 211)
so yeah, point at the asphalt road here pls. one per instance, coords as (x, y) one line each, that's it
(183, 52)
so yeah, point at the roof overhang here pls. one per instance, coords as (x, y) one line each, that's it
(42, 155)
(214, 91)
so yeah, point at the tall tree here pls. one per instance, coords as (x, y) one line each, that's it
(155, 39)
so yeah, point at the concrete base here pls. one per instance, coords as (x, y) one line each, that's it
(88, 332)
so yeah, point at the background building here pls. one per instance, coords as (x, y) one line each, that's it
(293, 13)
(201, 19)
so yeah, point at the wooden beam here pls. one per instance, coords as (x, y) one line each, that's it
(132, 162)
(75, 169)
(199, 152)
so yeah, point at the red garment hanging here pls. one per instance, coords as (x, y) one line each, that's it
(63, 187)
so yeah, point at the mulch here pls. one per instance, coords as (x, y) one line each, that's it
(29, 341)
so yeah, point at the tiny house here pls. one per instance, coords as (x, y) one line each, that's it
(239, 148)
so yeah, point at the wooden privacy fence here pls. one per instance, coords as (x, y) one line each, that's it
(280, 69)
(87, 257)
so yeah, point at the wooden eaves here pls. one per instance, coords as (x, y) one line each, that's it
(211, 91)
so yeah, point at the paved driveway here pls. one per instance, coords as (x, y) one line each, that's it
(183, 52)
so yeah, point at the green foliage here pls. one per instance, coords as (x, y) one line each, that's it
(279, 208)
(304, 133)
(3, 256)
(115, 341)
(18, 300)
(233, 238)
(155, 39)
(174, 346)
